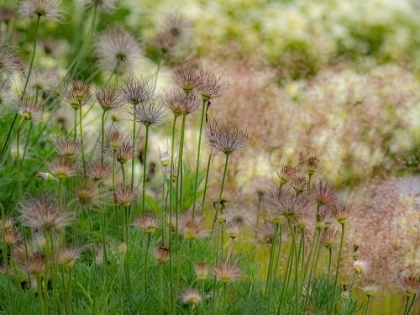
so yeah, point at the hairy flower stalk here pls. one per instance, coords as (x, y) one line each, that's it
(270, 274)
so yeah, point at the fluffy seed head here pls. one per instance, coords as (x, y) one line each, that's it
(47, 9)
(187, 77)
(68, 256)
(264, 233)
(225, 137)
(35, 265)
(125, 152)
(233, 228)
(178, 27)
(68, 147)
(117, 51)
(361, 266)
(136, 90)
(97, 170)
(410, 285)
(78, 94)
(288, 173)
(330, 237)
(312, 165)
(210, 85)
(371, 287)
(107, 6)
(161, 254)
(226, 273)
(147, 222)
(191, 227)
(324, 193)
(341, 211)
(164, 158)
(10, 235)
(181, 103)
(108, 98)
(8, 62)
(87, 193)
(63, 167)
(191, 297)
(124, 195)
(43, 213)
(149, 114)
(30, 109)
(201, 271)
(114, 139)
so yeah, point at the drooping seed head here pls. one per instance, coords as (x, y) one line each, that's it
(125, 152)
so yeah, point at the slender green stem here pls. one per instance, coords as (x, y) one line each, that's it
(203, 109)
(224, 297)
(411, 304)
(270, 266)
(40, 300)
(81, 139)
(207, 179)
(103, 136)
(180, 175)
(163, 214)
(217, 261)
(310, 250)
(104, 233)
(6, 260)
(54, 274)
(75, 125)
(220, 194)
(161, 287)
(18, 160)
(286, 278)
(27, 139)
(149, 235)
(329, 260)
(133, 160)
(146, 141)
(203, 306)
(367, 305)
(338, 267)
(69, 292)
(113, 190)
(297, 297)
(171, 196)
(314, 258)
